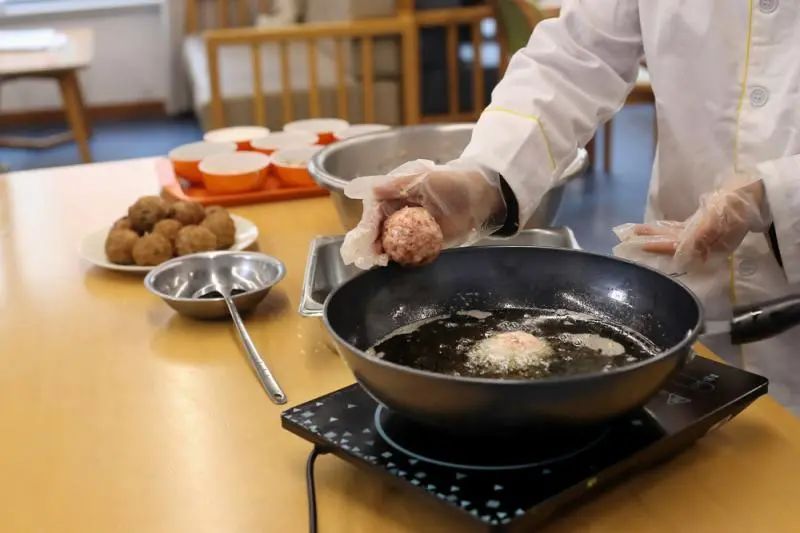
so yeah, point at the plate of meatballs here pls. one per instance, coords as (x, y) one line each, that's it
(156, 230)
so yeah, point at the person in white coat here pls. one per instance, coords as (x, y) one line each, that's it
(726, 79)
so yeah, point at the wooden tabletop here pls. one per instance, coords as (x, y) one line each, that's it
(118, 415)
(75, 54)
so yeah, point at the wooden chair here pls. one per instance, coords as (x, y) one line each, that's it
(226, 13)
(516, 20)
(363, 31)
(404, 26)
(452, 19)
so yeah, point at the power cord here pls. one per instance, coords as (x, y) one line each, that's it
(312, 498)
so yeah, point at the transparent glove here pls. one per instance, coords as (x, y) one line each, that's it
(718, 227)
(464, 199)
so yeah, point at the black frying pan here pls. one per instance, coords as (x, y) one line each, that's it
(370, 306)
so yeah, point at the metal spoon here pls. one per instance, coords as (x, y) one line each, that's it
(261, 369)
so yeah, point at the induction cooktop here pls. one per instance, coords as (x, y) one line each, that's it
(517, 482)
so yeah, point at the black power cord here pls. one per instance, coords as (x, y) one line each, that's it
(312, 497)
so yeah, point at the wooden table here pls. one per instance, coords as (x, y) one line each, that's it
(118, 415)
(61, 64)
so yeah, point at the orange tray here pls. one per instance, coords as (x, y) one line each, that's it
(177, 189)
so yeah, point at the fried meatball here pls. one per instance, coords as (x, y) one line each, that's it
(509, 351)
(412, 237)
(188, 213)
(152, 249)
(119, 246)
(122, 223)
(146, 212)
(214, 208)
(193, 239)
(221, 224)
(168, 228)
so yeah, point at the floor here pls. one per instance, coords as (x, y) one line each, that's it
(592, 204)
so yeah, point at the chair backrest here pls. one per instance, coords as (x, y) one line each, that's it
(452, 20)
(404, 26)
(339, 34)
(211, 14)
(216, 14)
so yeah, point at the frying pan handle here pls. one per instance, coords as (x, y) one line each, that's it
(763, 320)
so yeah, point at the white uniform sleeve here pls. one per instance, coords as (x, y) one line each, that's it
(782, 185)
(573, 75)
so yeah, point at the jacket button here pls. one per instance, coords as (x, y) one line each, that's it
(759, 96)
(767, 6)
(747, 268)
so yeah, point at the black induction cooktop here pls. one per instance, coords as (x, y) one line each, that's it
(518, 481)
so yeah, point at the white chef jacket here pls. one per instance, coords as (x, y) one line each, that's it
(726, 78)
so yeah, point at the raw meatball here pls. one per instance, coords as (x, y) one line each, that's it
(119, 246)
(221, 224)
(168, 228)
(123, 223)
(509, 351)
(412, 237)
(152, 249)
(188, 212)
(193, 239)
(146, 212)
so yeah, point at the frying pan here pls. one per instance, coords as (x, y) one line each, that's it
(370, 306)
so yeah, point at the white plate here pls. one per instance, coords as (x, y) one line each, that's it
(93, 246)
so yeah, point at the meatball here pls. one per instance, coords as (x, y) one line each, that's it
(122, 223)
(188, 212)
(412, 237)
(168, 228)
(119, 246)
(213, 209)
(509, 351)
(146, 212)
(221, 224)
(152, 249)
(193, 239)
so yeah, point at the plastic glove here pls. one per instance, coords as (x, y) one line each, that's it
(463, 197)
(718, 227)
(638, 242)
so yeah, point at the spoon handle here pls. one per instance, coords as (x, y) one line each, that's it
(269, 383)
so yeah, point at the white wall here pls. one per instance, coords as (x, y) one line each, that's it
(130, 58)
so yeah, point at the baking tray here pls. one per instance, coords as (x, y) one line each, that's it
(177, 189)
(325, 270)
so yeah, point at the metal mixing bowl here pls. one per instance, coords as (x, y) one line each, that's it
(180, 280)
(379, 153)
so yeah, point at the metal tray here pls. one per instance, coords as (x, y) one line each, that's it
(325, 270)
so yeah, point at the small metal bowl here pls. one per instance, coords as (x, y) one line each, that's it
(181, 281)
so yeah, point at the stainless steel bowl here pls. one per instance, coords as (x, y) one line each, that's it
(379, 153)
(180, 280)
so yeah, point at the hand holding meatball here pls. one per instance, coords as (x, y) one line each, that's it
(464, 199)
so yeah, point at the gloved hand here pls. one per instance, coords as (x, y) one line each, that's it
(719, 225)
(464, 199)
